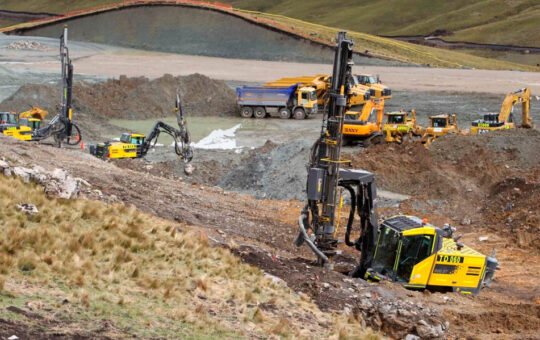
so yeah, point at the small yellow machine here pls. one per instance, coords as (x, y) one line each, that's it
(504, 120)
(416, 254)
(132, 145)
(400, 126)
(365, 125)
(376, 89)
(440, 125)
(27, 122)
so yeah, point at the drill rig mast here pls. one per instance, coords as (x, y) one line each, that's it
(326, 178)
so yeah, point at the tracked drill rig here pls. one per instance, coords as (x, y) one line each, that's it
(325, 177)
(61, 127)
(403, 249)
(133, 145)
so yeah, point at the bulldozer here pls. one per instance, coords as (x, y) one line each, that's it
(401, 126)
(403, 249)
(440, 125)
(133, 145)
(504, 120)
(364, 126)
(376, 89)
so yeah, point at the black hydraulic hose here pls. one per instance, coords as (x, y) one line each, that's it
(351, 216)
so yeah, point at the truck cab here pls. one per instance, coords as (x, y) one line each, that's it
(307, 98)
(416, 254)
(377, 90)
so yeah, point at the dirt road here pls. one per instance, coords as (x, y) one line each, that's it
(107, 61)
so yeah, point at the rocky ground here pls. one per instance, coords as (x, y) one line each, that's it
(261, 230)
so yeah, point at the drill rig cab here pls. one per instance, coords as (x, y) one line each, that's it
(416, 254)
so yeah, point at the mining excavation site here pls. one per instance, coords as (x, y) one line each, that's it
(245, 188)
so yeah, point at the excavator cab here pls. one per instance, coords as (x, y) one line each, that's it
(416, 254)
(131, 138)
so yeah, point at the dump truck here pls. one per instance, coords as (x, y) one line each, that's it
(364, 126)
(403, 249)
(504, 120)
(401, 126)
(376, 89)
(357, 95)
(285, 102)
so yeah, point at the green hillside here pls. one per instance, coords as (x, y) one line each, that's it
(484, 21)
(514, 22)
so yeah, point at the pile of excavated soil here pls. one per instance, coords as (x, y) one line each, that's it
(275, 172)
(491, 180)
(132, 98)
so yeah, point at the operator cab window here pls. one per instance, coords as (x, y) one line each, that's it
(137, 140)
(396, 119)
(386, 252)
(313, 95)
(414, 249)
(439, 122)
(304, 98)
(125, 138)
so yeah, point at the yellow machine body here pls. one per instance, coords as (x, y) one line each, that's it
(400, 125)
(417, 254)
(19, 132)
(504, 120)
(128, 147)
(376, 89)
(440, 125)
(364, 124)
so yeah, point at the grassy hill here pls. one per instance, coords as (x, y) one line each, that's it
(488, 21)
(109, 271)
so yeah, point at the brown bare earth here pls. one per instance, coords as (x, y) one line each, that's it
(486, 186)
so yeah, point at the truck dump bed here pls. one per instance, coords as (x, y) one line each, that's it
(264, 96)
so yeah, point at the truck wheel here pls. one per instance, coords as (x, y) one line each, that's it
(246, 112)
(284, 113)
(259, 112)
(299, 114)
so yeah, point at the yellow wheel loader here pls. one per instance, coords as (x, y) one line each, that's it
(504, 120)
(402, 249)
(440, 125)
(400, 126)
(376, 89)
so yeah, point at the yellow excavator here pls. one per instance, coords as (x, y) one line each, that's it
(504, 120)
(403, 249)
(364, 126)
(440, 125)
(401, 126)
(133, 145)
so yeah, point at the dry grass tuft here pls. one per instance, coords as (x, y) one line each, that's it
(121, 265)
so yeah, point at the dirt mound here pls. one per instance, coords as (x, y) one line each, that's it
(490, 180)
(132, 98)
(272, 172)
